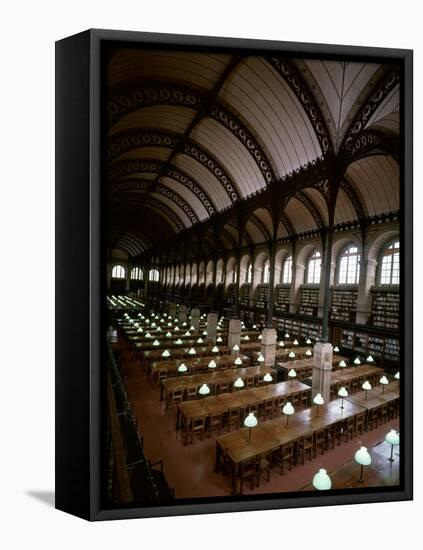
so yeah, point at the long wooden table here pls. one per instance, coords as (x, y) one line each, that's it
(212, 379)
(268, 436)
(303, 367)
(244, 400)
(381, 471)
(194, 366)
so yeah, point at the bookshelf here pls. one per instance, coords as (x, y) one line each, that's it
(245, 294)
(262, 294)
(309, 301)
(385, 307)
(344, 304)
(230, 296)
(283, 296)
(379, 346)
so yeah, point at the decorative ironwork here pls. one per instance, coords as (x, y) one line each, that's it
(158, 94)
(135, 139)
(352, 195)
(258, 223)
(384, 87)
(372, 143)
(151, 201)
(177, 199)
(305, 200)
(293, 78)
(129, 167)
(154, 93)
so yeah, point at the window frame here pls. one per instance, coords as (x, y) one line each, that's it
(342, 255)
(383, 255)
(307, 271)
(122, 269)
(290, 259)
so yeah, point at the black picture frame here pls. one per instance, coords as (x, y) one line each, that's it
(79, 288)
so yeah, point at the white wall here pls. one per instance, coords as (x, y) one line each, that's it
(27, 227)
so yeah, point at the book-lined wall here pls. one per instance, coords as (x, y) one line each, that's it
(244, 294)
(344, 304)
(309, 301)
(230, 294)
(282, 298)
(385, 307)
(364, 343)
(262, 294)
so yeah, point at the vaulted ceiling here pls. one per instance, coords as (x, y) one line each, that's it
(193, 135)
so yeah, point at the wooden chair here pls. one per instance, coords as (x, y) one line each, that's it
(373, 418)
(304, 399)
(268, 407)
(247, 472)
(305, 446)
(215, 424)
(320, 439)
(191, 393)
(295, 399)
(198, 427)
(350, 428)
(234, 418)
(177, 397)
(263, 467)
(360, 423)
(285, 453)
(223, 387)
(249, 382)
(161, 374)
(383, 414)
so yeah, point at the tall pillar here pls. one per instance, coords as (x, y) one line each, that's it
(172, 310)
(322, 297)
(271, 289)
(322, 370)
(268, 346)
(182, 314)
(297, 281)
(234, 333)
(128, 278)
(211, 327)
(195, 319)
(327, 264)
(364, 296)
(237, 283)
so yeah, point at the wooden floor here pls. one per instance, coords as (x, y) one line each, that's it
(190, 469)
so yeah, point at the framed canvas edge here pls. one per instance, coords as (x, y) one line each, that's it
(96, 511)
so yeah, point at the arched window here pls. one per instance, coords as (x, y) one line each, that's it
(234, 275)
(136, 274)
(287, 270)
(314, 268)
(349, 266)
(266, 272)
(249, 274)
(390, 269)
(153, 275)
(118, 272)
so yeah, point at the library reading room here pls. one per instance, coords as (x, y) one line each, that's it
(253, 275)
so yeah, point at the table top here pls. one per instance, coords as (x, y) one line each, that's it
(381, 471)
(376, 396)
(198, 361)
(271, 434)
(215, 377)
(350, 373)
(305, 363)
(242, 398)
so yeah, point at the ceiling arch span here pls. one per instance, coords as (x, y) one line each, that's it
(160, 93)
(292, 76)
(121, 170)
(388, 81)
